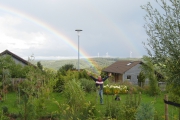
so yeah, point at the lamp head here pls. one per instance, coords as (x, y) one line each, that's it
(78, 31)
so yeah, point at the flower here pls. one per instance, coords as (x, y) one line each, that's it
(115, 89)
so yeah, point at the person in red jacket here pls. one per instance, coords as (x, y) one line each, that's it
(99, 85)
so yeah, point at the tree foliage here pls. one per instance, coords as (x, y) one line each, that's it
(34, 92)
(163, 43)
(65, 68)
(149, 72)
(67, 73)
(145, 111)
(39, 65)
(141, 79)
(15, 70)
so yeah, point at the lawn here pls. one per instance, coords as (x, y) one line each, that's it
(157, 101)
(12, 103)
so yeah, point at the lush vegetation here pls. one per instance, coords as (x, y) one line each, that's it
(162, 27)
(63, 93)
(69, 94)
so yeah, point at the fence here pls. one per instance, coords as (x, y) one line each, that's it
(175, 106)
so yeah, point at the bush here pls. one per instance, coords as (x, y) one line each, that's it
(88, 85)
(87, 112)
(141, 79)
(74, 94)
(59, 87)
(5, 109)
(112, 110)
(145, 111)
(128, 112)
(130, 106)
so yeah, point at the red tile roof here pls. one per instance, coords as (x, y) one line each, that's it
(121, 66)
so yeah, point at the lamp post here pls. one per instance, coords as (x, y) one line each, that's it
(78, 32)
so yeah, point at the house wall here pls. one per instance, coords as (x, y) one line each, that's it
(17, 61)
(133, 72)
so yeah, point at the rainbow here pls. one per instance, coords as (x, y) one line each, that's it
(52, 30)
(59, 34)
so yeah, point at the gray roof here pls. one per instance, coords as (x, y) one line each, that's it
(121, 66)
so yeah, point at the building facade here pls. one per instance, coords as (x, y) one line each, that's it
(125, 71)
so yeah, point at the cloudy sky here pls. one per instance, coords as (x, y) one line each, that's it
(46, 28)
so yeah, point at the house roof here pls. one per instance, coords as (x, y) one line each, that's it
(15, 56)
(121, 66)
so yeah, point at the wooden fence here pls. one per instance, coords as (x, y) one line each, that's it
(173, 104)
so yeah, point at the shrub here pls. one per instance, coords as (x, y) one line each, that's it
(66, 112)
(3, 116)
(5, 109)
(88, 85)
(74, 94)
(59, 87)
(89, 111)
(112, 109)
(128, 112)
(130, 106)
(141, 79)
(145, 111)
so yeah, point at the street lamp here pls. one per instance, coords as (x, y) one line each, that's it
(78, 32)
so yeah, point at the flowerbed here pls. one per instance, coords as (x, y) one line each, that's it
(115, 89)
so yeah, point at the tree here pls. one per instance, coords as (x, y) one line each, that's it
(141, 79)
(39, 65)
(163, 43)
(65, 68)
(148, 70)
(16, 70)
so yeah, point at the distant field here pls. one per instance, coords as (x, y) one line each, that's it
(83, 63)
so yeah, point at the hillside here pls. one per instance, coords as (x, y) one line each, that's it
(83, 63)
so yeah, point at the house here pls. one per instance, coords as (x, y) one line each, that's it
(16, 58)
(125, 70)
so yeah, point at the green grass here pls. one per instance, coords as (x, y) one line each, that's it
(12, 103)
(157, 102)
(144, 98)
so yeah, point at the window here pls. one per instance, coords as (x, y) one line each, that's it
(129, 77)
(128, 63)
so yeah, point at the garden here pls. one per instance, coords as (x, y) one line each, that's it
(68, 94)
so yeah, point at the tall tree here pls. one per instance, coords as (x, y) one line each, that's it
(39, 65)
(148, 72)
(141, 79)
(163, 43)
